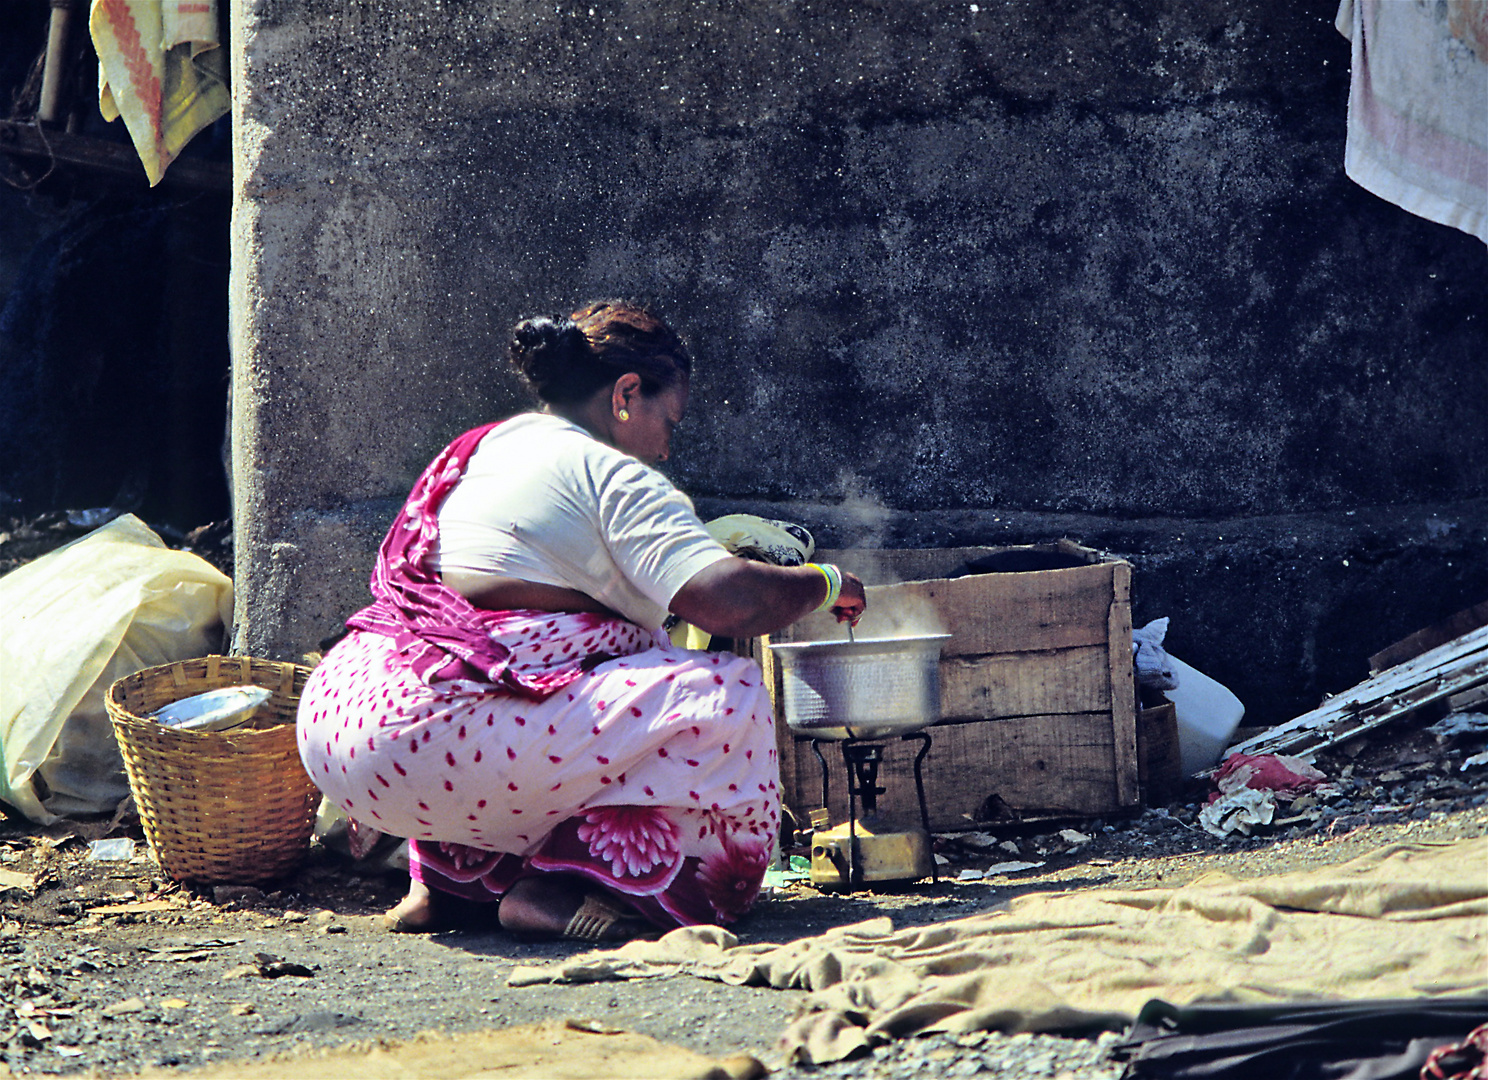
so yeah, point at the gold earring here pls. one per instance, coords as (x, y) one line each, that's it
(624, 415)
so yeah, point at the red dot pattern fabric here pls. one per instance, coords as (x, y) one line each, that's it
(654, 774)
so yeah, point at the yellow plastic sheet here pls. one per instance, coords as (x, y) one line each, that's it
(71, 622)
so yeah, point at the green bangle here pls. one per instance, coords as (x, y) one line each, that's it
(834, 583)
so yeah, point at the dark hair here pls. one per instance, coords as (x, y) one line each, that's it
(566, 361)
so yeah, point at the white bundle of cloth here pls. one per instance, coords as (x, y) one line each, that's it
(1418, 106)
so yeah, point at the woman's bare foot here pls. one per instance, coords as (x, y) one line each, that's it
(540, 906)
(413, 914)
(425, 911)
(546, 906)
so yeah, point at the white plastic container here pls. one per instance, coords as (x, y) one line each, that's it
(1208, 714)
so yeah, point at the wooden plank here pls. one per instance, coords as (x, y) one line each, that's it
(1025, 684)
(985, 613)
(1123, 687)
(1472, 698)
(107, 156)
(889, 566)
(1036, 765)
(1009, 613)
(1159, 764)
(1421, 641)
(1433, 675)
(785, 742)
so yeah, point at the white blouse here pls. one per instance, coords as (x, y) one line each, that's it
(543, 500)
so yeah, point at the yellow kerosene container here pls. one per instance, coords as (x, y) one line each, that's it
(891, 856)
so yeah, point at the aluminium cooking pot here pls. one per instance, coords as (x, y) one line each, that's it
(867, 689)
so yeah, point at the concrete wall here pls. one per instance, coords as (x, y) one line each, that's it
(955, 274)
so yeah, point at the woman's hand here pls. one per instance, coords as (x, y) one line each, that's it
(738, 598)
(852, 601)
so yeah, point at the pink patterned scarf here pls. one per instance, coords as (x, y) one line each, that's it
(443, 635)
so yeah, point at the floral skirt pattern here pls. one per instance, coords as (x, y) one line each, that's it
(653, 775)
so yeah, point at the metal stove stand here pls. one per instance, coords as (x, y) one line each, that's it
(861, 759)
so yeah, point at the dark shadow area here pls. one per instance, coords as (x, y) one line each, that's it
(113, 306)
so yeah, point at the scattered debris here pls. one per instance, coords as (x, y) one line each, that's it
(1239, 811)
(241, 895)
(127, 1007)
(1288, 777)
(139, 907)
(594, 1027)
(191, 952)
(14, 879)
(1460, 723)
(271, 967)
(118, 849)
(1010, 868)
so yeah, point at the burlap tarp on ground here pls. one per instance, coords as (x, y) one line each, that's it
(1408, 920)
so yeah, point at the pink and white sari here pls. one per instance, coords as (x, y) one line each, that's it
(509, 743)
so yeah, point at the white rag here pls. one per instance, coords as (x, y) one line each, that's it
(1418, 106)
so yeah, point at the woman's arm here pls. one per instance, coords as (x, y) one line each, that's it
(737, 597)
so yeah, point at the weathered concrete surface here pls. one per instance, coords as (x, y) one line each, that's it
(954, 273)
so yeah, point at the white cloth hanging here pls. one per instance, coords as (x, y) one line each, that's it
(1418, 106)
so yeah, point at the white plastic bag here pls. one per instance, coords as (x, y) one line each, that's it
(1208, 714)
(71, 622)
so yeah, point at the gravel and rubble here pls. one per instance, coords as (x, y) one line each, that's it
(106, 967)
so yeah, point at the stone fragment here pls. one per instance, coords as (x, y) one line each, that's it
(243, 895)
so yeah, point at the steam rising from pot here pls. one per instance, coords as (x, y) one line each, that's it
(896, 613)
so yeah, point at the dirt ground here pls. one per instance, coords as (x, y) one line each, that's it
(108, 969)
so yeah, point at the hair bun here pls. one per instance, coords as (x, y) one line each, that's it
(568, 361)
(545, 350)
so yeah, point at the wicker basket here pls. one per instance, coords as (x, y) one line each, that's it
(232, 807)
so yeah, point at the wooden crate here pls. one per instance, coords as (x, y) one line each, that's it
(1038, 702)
(1159, 764)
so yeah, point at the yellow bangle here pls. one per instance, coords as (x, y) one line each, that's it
(834, 583)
